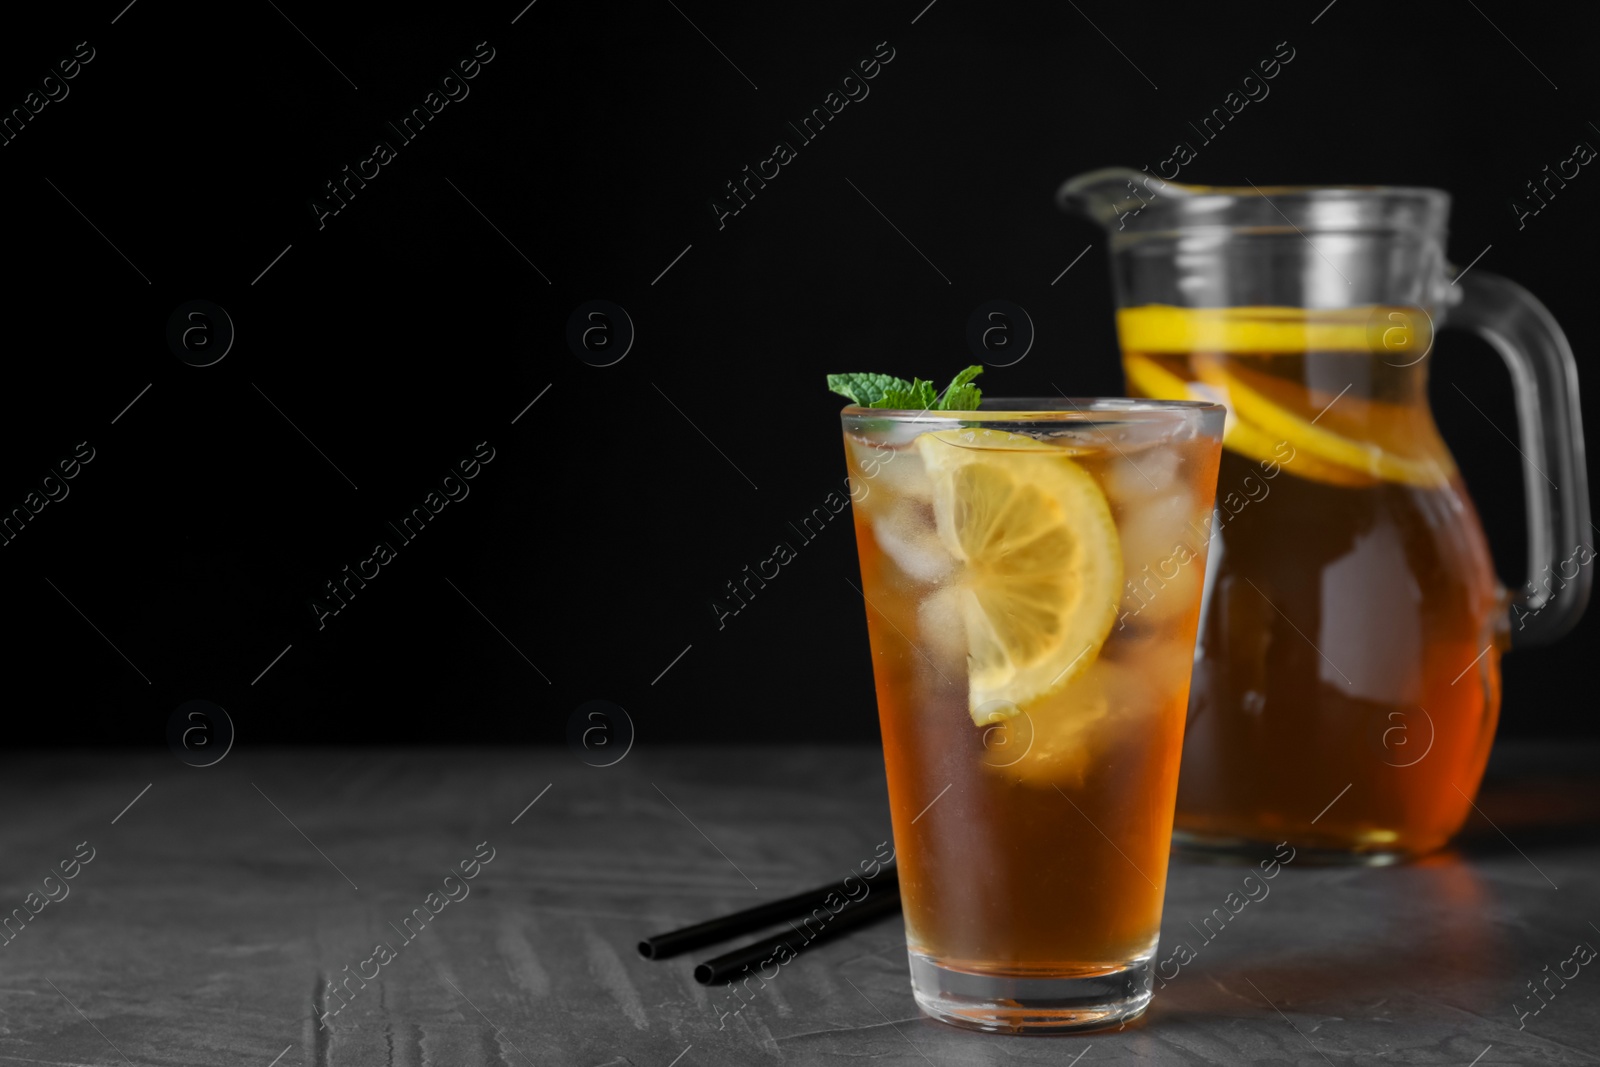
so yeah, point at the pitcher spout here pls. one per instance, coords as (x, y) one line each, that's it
(1114, 194)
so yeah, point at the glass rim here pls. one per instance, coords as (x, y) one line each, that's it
(1145, 206)
(1048, 409)
(1323, 192)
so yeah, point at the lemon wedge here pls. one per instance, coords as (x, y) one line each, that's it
(1155, 381)
(1163, 328)
(1259, 425)
(1279, 423)
(1148, 378)
(1042, 567)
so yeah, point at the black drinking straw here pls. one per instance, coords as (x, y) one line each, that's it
(728, 927)
(730, 965)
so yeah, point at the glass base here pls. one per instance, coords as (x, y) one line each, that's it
(1015, 1004)
(1214, 848)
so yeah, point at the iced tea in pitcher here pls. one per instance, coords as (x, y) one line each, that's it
(1347, 676)
(1351, 645)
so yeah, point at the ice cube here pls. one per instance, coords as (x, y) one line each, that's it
(1161, 557)
(1065, 734)
(1158, 597)
(881, 475)
(1151, 530)
(941, 625)
(903, 432)
(1130, 479)
(905, 533)
(1156, 670)
(900, 472)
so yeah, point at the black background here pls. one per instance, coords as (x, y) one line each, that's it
(411, 326)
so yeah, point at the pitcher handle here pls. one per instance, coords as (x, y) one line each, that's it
(1545, 378)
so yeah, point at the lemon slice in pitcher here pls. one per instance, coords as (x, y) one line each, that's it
(1181, 330)
(1042, 567)
(1260, 425)
(1275, 421)
(1149, 378)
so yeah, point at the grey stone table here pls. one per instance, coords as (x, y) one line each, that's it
(214, 909)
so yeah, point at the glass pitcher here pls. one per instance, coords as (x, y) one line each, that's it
(1347, 674)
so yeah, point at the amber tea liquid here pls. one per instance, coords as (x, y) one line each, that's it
(1347, 678)
(1031, 707)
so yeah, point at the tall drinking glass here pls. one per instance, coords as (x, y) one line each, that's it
(1032, 574)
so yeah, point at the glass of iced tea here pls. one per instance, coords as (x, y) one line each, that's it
(1347, 681)
(1032, 719)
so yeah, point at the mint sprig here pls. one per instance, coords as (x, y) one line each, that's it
(887, 391)
(961, 394)
(865, 389)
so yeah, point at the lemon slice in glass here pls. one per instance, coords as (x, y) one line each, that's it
(1042, 567)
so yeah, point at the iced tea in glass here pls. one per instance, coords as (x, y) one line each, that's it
(1032, 705)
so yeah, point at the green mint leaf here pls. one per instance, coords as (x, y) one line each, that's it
(919, 396)
(885, 391)
(866, 390)
(966, 398)
(960, 395)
